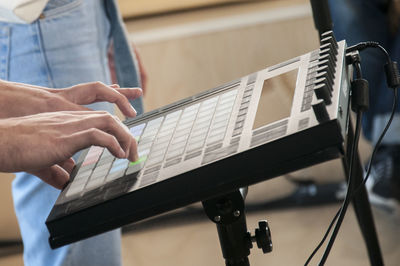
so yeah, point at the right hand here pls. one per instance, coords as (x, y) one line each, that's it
(43, 144)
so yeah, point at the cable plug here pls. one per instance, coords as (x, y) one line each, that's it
(392, 74)
(359, 95)
(361, 46)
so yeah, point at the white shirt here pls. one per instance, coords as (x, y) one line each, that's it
(21, 11)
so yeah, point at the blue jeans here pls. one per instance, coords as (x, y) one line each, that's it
(66, 47)
(366, 20)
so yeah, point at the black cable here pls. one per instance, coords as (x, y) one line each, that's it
(348, 193)
(342, 210)
(363, 45)
(393, 81)
(357, 66)
(395, 102)
(323, 238)
(378, 143)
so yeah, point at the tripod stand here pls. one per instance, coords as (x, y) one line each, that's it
(227, 212)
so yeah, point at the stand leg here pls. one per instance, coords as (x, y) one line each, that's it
(227, 212)
(362, 206)
(233, 244)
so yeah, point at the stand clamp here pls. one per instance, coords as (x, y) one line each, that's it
(227, 212)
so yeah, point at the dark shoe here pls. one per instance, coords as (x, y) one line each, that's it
(383, 183)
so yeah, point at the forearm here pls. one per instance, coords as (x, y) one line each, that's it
(18, 100)
(9, 153)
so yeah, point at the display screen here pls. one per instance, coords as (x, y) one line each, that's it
(276, 98)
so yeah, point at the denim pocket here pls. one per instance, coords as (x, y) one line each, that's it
(56, 8)
(4, 51)
(75, 44)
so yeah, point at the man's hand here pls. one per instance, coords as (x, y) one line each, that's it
(18, 99)
(43, 144)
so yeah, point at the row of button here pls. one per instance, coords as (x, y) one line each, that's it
(321, 72)
(221, 118)
(183, 129)
(159, 148)
(244, 106)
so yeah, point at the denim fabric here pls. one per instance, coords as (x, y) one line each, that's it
(66, 47)
(366, 20)
(122, 48)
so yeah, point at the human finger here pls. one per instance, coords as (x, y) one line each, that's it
(91, 123)
(111, 125)
(120, 134)
(96, 137)
(98, 91)
(68, 165)
(54, 175)
(130, 93)
(133, 154)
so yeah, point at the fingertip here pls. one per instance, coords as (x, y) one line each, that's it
(117, 152)
(128, 110)
(132, 111)
(60, 179)
(133, 157)
(140, 91)
(115, 86)
(121, 153)
(54, 176)
(68, 165)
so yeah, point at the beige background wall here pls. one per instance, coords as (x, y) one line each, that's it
(131, 8)
(188, 53)
(8, 223)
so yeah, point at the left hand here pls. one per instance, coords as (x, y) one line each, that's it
(17, 99)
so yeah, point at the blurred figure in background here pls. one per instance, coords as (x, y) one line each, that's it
(376, 20)
(57, 44)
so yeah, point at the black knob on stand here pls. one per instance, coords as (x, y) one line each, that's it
(262, 237)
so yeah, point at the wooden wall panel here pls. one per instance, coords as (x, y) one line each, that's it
(132, 8)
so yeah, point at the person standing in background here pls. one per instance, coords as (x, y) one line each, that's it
(57, 44)
(376, 20)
